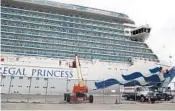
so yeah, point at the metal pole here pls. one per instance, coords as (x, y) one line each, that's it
(1, 86)
(29, 89)
(67, 82)
(174, 86)
(173, 92)
(1, 78)
(46, 90)
(120, 93)
(103, 90)
(65, 95)
(135, 92)
(9, 87)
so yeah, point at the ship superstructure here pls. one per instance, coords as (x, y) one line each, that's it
(34, 28)
(40, 35)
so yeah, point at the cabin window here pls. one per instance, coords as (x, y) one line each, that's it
(52, 87)
(139, 31)
(29, 78)
(3, 77)
(136, 31)
(20, 77)
(36, 86)
(45, 79)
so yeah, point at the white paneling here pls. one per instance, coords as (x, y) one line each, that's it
(56, 86)
(5, 82)
(37, 86)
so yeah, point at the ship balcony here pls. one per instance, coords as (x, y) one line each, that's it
(140, 34)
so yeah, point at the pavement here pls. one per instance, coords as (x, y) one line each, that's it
(56, 102)
(86, 106)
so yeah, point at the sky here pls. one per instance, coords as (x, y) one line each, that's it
(159, 14)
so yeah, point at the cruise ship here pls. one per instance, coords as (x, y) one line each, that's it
(40, 38)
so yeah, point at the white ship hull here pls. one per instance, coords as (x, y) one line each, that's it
(101, 77)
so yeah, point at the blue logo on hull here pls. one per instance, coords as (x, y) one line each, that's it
(151, 80)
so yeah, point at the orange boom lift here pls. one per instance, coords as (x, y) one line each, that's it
(80, 90)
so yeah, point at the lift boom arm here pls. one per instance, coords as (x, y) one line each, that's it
(80, 78)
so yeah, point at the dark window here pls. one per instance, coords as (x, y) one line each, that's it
(12, 77)
(3, 77)
(45, 79)
(142, 30)
(29, 78)
(20, 77)
(136, 31)
(59, 63)
(52, 87)
(139, 31)
(37, 78)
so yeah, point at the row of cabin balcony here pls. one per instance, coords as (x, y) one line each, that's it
(76, 44)
(47, 39)
(81, 56)
(90, 51)
(78, 50)
(63, 55)
(58, 20)
(36, 32)
(55, 27)
(64, 18)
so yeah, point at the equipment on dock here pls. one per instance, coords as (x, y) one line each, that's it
(140, 93)
(80, 90)
(163, 93)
